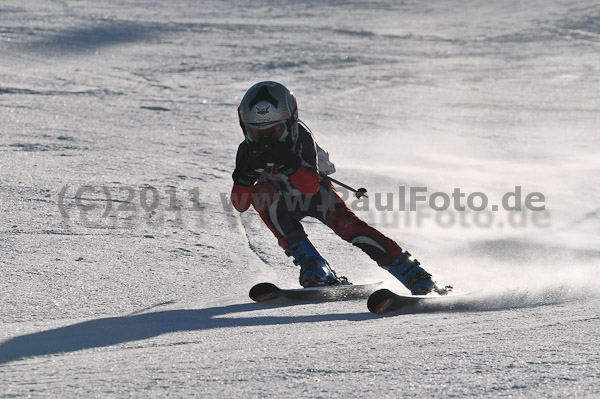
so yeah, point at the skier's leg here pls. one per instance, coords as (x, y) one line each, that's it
(274, 210)
(283, 223)
(382, 249)
(336, 214)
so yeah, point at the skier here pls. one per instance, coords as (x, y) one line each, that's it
(281, 172)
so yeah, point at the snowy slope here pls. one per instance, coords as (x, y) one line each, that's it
(129, 110)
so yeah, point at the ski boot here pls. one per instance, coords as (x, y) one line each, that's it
(314, 270)
(412, 275)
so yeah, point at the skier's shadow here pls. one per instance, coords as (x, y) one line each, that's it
(116, 330)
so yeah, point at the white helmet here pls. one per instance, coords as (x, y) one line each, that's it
(269, 110)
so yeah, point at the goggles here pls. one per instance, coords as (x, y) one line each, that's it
(275, 131)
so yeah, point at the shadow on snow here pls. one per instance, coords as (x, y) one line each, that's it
(117, 330)
(135, 327)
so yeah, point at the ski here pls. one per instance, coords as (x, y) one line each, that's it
(385, 301)
(269, 292)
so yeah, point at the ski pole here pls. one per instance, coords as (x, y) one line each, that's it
(359, 193)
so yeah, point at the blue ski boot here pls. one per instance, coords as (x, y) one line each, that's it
(412, 275)
(314, 270)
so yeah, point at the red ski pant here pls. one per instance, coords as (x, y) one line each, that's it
(282, 214)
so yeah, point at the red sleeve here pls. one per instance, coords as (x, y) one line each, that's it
(306, 180)
(241, 197)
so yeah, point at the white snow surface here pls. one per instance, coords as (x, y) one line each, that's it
(138, 100)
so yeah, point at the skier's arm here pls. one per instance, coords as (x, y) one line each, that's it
(244, 178)
(306, 180)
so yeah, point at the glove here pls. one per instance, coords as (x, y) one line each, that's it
(244, 173)
(244, 177)
(285, 159)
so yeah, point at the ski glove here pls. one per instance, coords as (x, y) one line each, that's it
(244, 173)
(244, 177)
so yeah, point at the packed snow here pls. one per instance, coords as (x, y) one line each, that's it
(125, 272)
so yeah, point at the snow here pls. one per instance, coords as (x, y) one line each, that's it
(130, 107)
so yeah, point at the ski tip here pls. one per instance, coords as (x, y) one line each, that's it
(263, 292)
(380, 301)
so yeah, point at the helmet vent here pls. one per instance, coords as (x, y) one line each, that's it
(285, 114)
(263, 95)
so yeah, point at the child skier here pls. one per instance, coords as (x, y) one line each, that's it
(282, 172)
